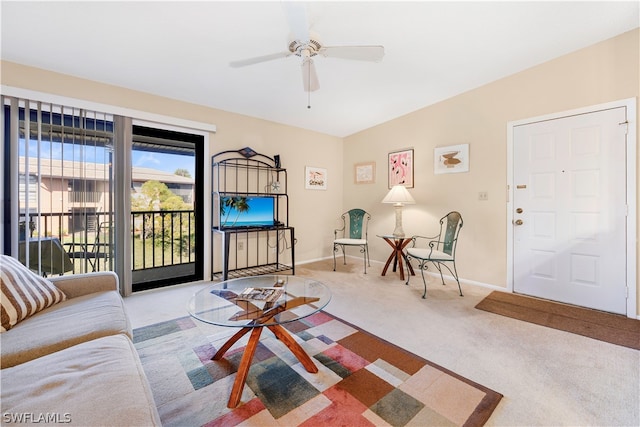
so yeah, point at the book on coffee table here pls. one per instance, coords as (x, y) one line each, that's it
(261, 294)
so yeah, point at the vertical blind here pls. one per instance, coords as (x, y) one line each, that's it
(58, 185)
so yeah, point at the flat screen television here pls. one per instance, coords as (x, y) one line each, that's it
(239, 212)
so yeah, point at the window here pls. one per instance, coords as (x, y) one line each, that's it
(31, 189)
(83, 191)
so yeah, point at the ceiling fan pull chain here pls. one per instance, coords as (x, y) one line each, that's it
(309, 89)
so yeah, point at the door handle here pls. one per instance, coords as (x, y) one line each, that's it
(518, 222)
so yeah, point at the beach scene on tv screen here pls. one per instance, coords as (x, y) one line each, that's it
(246, 211)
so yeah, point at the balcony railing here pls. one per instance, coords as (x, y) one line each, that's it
(158, 238)
(172, 234)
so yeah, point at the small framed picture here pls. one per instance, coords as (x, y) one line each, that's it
(364, 173)
(315, 178)
(451, 159)
(401, 168)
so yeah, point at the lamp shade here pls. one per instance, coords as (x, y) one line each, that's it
(399, 195)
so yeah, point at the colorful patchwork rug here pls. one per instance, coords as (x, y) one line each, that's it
(362, 379)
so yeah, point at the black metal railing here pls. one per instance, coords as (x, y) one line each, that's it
(172, 234)
(158, 238)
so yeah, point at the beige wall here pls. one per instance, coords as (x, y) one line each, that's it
(605, 72)
(312, 213)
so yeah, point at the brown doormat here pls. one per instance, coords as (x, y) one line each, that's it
(611, 328)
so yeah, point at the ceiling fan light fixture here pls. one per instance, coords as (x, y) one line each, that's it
(297, 47)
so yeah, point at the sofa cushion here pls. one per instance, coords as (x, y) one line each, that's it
(97, 383)
(64, 325)
(24, 293)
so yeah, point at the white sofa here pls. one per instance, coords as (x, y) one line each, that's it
(74, 363)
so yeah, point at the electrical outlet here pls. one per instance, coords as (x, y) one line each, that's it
(483, 195)
(241, 246)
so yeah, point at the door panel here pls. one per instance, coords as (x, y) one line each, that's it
(166, 207)
(569, 177)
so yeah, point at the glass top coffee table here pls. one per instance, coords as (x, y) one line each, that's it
(252, 303)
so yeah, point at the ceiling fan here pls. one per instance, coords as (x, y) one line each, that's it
(307, 46)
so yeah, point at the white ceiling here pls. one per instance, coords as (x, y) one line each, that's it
(181, 50)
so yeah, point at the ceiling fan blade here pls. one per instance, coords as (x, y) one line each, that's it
(358, 53)
(258, 59)
(297, 18)
(309, 76)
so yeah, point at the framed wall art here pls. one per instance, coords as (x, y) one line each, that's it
(451, 159)
(315, 178)
(401, 168)
(364, 173)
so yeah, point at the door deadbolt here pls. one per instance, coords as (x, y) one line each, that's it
(519, 210)
(518, 222)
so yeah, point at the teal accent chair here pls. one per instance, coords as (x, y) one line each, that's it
(353, 233)
(439, 250)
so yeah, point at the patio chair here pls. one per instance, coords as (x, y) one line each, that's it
(93, 252)
(439, 250)
(353, 233)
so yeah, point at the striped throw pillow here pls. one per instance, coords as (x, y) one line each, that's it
(24, 293)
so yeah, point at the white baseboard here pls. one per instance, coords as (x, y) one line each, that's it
(469, 282)
(434, 274)
(309, 261)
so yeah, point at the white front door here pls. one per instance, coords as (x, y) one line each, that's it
(569, 210)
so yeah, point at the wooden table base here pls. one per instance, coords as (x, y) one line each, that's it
(397, 256)
(245, 363)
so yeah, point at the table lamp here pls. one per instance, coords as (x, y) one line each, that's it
(399, 196)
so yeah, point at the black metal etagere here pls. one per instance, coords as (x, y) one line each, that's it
(250, 250)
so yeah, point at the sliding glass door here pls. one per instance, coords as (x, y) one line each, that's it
(60, 157)
(166, 207)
